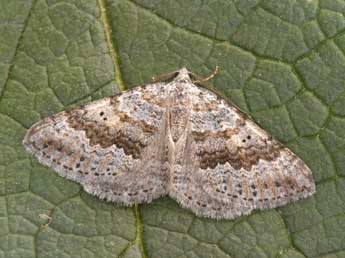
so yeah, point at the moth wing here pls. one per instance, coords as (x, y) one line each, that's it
(108, 145)
(232, 166)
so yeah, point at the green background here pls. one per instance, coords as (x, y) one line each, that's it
(282, 62)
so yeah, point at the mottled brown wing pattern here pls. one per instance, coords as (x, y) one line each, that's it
(233, 166)
(107, 145)
(171, 138)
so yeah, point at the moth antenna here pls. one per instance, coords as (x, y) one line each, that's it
(208, 77)
(164, 77)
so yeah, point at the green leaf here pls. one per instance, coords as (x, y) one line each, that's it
(281, 61)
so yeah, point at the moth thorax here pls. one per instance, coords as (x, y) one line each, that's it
(178, 121)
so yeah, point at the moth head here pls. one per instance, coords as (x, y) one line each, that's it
(183, 75)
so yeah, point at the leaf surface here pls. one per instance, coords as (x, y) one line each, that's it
(282, 62)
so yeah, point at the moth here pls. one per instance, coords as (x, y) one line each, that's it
(174, 138)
